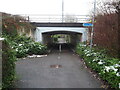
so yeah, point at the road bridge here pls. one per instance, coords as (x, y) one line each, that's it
(72, 24)
(45, 30)
(76, 34)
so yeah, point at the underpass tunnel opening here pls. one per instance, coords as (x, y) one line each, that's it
(66, 39)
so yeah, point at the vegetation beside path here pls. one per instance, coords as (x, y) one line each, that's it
(16, 45)
(107, 68)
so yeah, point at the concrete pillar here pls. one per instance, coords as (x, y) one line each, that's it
(84, 36)
(38, 36)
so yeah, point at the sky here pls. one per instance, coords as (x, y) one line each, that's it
(38, 7)
(79, 7)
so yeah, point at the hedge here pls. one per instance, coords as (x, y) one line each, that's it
(8, 64)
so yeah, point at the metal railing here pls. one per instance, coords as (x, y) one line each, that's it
(57, 18)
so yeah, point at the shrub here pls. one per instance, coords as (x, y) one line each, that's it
(8, 63)
(18, 47)
(107, 68)
(37, 48)
(24, 45)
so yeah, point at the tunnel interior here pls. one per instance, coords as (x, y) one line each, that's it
(65, 39)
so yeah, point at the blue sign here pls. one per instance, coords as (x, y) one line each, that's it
(87, 24)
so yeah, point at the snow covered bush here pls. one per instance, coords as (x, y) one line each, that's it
(37, 48)
(26, 46)
(108, 68)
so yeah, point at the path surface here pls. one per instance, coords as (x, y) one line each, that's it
(38, 73)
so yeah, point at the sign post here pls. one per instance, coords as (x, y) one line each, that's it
(93, 21)
(62, 11)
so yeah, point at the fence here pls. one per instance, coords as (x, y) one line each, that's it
(57, 18)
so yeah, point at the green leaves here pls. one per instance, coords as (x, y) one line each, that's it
(19, 46)
(37, 48)
(24, 46)
(108, 68)
(8, 63)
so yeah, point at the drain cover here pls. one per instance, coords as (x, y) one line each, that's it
(55, 66)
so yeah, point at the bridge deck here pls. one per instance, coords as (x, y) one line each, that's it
(57, 24)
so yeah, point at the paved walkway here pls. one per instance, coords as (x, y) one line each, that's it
(38, 72)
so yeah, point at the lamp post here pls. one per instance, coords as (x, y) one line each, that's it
(93, 21)
(62, 11)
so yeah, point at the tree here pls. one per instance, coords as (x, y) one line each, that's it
(107, 7)
(106, 27)
(118, 11)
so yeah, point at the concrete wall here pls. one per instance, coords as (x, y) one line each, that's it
(46, 39)
(38, 35)
(75, 38)
(29, 32)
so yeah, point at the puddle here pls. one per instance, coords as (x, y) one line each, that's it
(55, 66)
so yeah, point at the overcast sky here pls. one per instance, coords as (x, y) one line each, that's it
(80, 7)
(34, 8)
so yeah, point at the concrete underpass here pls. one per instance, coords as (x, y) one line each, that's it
(74, 35)
(68, 39)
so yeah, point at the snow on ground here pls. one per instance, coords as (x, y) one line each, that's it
(34, 56)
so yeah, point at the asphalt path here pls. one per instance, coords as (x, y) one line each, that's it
(56, 70)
